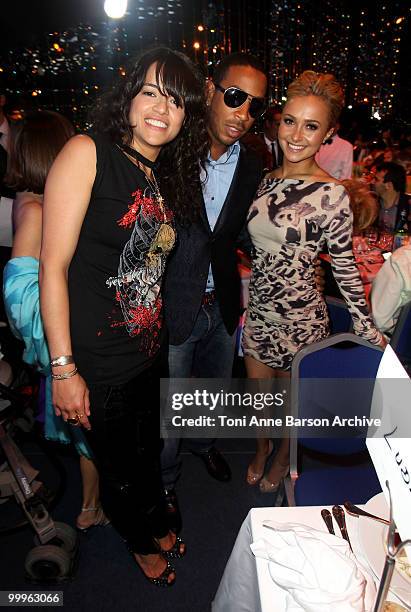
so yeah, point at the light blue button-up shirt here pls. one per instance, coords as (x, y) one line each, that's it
(220, 175)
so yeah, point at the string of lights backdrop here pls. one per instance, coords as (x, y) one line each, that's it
(363, 44)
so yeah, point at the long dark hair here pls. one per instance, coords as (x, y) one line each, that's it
(178, 162)
(34, 145)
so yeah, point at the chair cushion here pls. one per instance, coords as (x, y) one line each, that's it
(336, 485)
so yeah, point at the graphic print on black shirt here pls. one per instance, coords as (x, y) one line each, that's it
(141, 267)
(115, 327)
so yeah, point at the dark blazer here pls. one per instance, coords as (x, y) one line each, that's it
(269, 163)
(256, 143)
(187, 268)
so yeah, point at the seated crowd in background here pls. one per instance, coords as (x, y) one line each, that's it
(375, 176)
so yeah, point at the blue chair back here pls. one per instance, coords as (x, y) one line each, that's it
(343, 358)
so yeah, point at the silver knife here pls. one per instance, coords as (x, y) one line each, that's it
(328, 520)
(339, 515)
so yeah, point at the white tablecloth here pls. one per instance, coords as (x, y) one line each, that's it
(246, 585)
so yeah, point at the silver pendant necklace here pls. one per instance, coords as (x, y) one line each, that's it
(164, 239)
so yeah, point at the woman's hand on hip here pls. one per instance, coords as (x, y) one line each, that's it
(71, 400)
(383, 342)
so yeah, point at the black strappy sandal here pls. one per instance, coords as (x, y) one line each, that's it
(162, 579)
(175, 551)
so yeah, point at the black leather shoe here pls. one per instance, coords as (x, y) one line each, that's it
(216, 465)
(174, 520)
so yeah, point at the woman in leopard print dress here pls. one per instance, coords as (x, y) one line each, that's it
(298, 209)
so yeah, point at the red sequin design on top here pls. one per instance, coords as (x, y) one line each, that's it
(139, 298)
(148, 207)
(143, 318)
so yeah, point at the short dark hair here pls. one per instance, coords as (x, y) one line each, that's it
(236, 59)
(395, 174)
(35, 143)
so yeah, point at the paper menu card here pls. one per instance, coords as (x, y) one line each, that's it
(390, 448)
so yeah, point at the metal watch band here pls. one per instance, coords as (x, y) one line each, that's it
(62, 360)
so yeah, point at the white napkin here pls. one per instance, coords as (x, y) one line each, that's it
(317, 569)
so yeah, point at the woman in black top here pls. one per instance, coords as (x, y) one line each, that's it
(109, 210)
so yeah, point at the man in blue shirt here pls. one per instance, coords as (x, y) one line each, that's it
(202, 287)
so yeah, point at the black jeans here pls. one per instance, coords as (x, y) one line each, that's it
(125, 440)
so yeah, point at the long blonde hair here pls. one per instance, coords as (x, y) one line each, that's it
(363, 203)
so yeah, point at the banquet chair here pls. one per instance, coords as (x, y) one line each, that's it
(340, 317)
(401, 337)
(335, 376)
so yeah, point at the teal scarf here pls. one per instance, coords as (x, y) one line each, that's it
(22, 303)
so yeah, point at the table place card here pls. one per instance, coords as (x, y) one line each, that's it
(390, 452)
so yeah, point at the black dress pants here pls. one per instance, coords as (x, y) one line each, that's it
(125, 440)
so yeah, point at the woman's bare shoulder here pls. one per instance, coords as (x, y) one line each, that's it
(81, 143)
(24, 198)
(27, 204)
(78, 157)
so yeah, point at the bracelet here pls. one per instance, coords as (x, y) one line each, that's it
(62, 360)
(64, 375)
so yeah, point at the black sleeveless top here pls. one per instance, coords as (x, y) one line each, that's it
(116, 273)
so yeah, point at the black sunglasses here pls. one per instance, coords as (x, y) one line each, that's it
(235, 97)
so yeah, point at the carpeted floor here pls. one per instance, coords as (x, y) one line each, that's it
(107, 577)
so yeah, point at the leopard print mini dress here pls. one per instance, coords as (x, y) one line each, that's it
(289, 222)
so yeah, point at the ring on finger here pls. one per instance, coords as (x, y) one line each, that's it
(73, 421)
